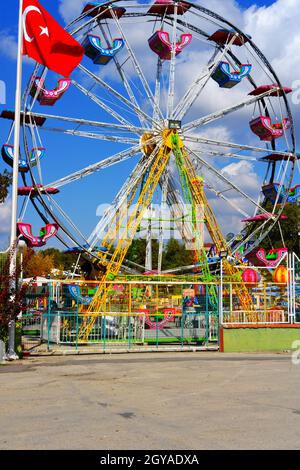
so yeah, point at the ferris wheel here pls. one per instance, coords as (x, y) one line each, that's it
(187, 100)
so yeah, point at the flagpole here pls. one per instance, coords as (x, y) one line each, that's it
(14, 208)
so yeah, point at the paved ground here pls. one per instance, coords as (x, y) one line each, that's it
(151, 401)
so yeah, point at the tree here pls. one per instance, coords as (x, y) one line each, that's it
(37, 263)
(289, 228)
(175, 255)
(137, 252)
(5, 182)
(12, 295)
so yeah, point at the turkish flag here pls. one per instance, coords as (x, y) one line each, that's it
(45, 41)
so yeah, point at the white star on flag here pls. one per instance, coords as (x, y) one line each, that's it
(44, 31)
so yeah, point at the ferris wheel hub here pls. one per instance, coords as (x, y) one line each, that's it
(174, 124)
(148, 140)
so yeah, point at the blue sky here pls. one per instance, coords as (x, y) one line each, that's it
(65, 154)
(249, 3)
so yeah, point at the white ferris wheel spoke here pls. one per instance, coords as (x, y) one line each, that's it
(164, 190)
(124, 79)
(67, 217)
(114, 92)
(107, 162)
(86, 122)
(254, 232)
(157, 88)
(171, 91)
(137, 67)
(220, 143)
(229, 155)
(88, 23)
(223, 178)
(198, 86)
(92, 135)
(102, 105)
(183, 106)
(220, 194)
(224, 112)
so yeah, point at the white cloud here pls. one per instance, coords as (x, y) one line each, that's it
(70, 9)
(243, 175)
(9, 46)
(275, 29)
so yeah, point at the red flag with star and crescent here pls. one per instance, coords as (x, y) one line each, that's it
(45, 41)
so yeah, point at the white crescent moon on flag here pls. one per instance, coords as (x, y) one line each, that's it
(25, 13)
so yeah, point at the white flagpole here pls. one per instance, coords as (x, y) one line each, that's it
(13, 237)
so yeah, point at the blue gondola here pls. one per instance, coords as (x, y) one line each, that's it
(271, 193)
(78, 249)
(8, 156)
(37, 154)
(98, 54)
(227, 79)
(294, 194)
(75, 292)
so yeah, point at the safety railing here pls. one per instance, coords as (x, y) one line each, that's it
(270, 304)
(123, 331)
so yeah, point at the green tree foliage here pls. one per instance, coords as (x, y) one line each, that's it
(62, 260)
(5, 182)
(290, 230)
(175, 254)
(137, 252)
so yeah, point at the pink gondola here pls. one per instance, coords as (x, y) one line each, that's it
(163, 7)
(49, 97)
(271, 258)
(266, 131)
(161, 45)
(263, 217)
(47, 232)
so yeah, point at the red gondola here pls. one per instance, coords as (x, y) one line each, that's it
(264, 88)
(163, 7)
(96, 8)
(34, 190)
(224, 36)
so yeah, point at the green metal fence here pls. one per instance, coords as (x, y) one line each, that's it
(136, 316)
